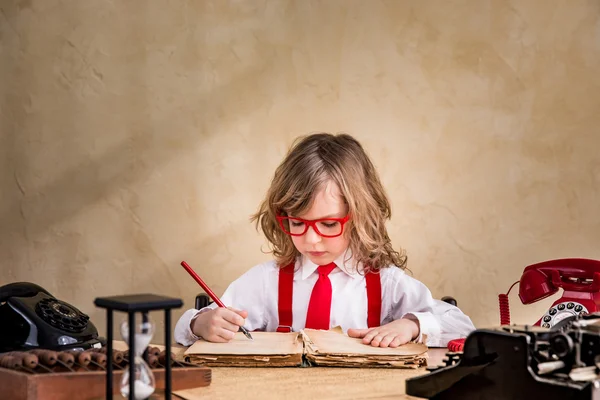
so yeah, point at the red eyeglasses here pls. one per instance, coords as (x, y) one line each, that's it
(326, 227)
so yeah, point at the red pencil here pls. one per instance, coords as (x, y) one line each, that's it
(210, 293)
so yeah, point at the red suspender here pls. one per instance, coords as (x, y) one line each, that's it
(286, 289)
(373, 299)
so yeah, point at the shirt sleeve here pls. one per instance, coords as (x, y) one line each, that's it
(245, 293)
(183, 332)
(438, 320)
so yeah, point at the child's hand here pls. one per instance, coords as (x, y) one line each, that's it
(394, 334)
(219, 325)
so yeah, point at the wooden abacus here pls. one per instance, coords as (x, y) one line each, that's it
(62, 375)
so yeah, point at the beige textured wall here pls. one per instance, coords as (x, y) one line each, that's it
(138, 134)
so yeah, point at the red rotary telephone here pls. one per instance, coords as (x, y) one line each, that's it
(578, 277)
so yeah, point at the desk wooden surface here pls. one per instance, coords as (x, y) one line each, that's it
(308, 383)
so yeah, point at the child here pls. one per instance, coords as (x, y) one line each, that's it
(334, 265)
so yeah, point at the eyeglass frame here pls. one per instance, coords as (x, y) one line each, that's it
(312, 223)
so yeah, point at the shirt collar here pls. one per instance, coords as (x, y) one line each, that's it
(345, 262)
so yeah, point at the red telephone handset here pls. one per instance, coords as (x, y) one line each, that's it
(578, 277)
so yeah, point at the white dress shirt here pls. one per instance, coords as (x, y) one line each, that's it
(256, 291)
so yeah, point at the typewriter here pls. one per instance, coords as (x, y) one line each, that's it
(520, 362)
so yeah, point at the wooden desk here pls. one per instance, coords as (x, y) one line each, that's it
(308, 383)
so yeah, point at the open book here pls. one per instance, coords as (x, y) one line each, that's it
(307, 347)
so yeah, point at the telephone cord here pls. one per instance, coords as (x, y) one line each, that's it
(456, 345)
(504, 306)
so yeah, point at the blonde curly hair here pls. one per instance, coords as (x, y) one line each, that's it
(311, 162)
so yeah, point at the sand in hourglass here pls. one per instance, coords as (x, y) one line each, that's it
(142, 390)
(144, 379)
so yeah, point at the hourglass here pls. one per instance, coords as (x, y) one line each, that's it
(143, 379)
(142, 334)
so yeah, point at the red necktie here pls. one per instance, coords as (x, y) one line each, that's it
(319, 306)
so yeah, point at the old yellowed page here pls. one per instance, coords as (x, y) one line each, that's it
(264, 343)
(331, 342)
(334, 348)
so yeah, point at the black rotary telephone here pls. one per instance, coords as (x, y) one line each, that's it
(30, 317)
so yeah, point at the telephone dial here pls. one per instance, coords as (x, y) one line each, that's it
(578, 277)
(30, 317)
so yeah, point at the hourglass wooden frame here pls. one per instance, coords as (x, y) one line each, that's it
(132, 304)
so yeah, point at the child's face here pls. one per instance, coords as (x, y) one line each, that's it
(328, 203)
